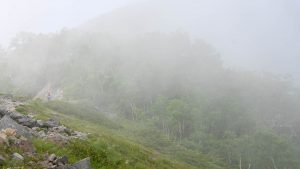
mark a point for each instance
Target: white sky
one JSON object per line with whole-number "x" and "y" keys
{"x": 256, "y": 34}
{"x": 50, "y": 15}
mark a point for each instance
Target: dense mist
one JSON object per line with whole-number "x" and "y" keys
{"x": 189, "y": 79}
{"x": 257, "y": 36}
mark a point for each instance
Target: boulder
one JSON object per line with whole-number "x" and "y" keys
{"x": 62, "y": 161}
{"x": 82, "y": 164}
{"x": 26, "y": 121}
{"x": 59, "y": 129}
{"x": 40, "y": 123}
{"x": 50, "y": 123}
{"x": 2, "y": 112}
{"x": 41, "y": 134}
{"x": 7, "y": 122}
{"x": 17, "y": 157}
{"x": 16, "y": 115}
{"x": 52, "y": 157}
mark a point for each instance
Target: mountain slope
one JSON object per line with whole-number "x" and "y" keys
{"x": 112, "y": 149}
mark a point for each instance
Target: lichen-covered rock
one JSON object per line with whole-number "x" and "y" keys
{"x": 9, "y": 132}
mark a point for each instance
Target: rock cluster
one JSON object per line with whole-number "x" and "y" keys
{"x": 16, "y": 131}
{"x": 10, "y": 138}
{"x": 27, "y": 126}
{"x": 7, "y": 122}
{"x": 55, "y": 162}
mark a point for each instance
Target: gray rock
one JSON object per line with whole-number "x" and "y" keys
{"x": 79, "y": 135}
{"x": 57, "y": 137}
{"x": 62, "y": 161}
{"x": 30, "y": 115}
{"x": 59, "y": 129}
{"x": 50, "y": 123}
{"x": 17, "y": 157}
{"x": 7, "y": 122}
{"x": 40, "y": 123}
{"x": 3, "y": 111}
{"x": 52, "y": 157}
{"x": 41, "y": 134}
{"x": 68, "y": 131}
{"x": 26, "y": 121}
{"x": 16, "y": 115}
{"x": 82, "y": 164}
{"x": 35, "y": 128}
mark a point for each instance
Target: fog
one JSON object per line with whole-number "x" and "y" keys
{"x": 211, "y": 84}
{"x": 254, "y": 35}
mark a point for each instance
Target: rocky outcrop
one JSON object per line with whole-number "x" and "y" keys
{"x": 10, "y": 138}
{"x": 49, "y": 129}
{"x": 17, "y": 130}
{"x": 56, "y": 162}
{"x": 7, "y": 122}
{"x": 8, "y": 104}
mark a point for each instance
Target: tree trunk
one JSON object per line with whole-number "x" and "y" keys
{"x": 249, "y": 166}
{"x": 132, "y": 111}
{"x": 240, "y": 161}
{"x": 273, "y": 162}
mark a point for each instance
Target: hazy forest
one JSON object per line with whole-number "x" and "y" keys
{"x": 150, "y": 98}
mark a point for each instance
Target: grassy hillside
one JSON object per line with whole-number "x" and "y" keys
{"x": 107, "y": 147}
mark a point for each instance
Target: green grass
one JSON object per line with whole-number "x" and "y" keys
{"x": 87, "y": 113}
{"x": 106, "y": 149}
{"x": 107, "y": 154}
{"x": 112, "y": 144}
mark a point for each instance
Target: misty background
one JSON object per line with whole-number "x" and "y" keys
{"x": 253, "y": 35}
{"x": 211, "y": 84}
